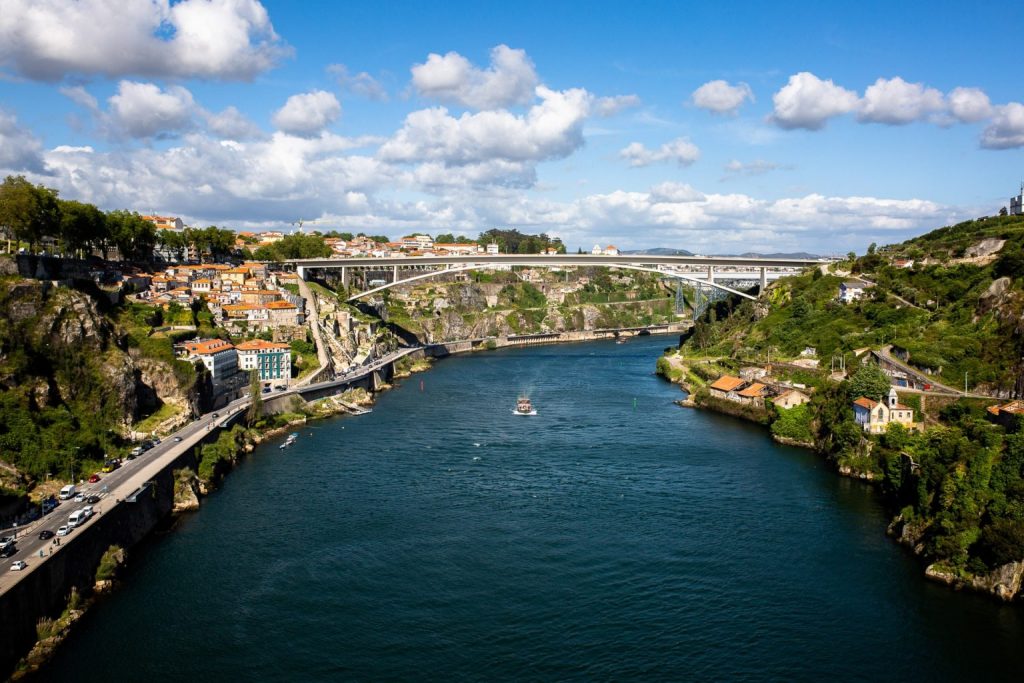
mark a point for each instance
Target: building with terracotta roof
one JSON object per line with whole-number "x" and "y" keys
{"x": 725, "y": 385}
{"x": 1009, "y": 415}
{"x": 165, "y": 222}
{"x": 218, "y": 356}
{"x": 876, "y": 416}
{"x": 273, "y": 361}
{"x": 791, "y": 399}
{"x": 753, "y": 394}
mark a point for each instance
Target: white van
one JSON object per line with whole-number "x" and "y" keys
{"x": 77, "y": 517}
{"x": 68, "y": 492}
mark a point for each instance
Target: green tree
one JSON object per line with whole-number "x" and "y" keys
{"x": 869, "y": 381}
{"x": 28, "y": 212}
{"x": 133, "y": 236}
{"x": 81, "y": 225}
{"x": 174, "y": 242}
{"x": 255, "y": 398}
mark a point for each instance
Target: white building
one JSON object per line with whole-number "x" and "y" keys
{"x": 1017, "y": 203}
{"x": 492, "y": 249}
{"x": 851, "y": 291}
{"x": 273, "y": 361}
{"x": 217, "y": 355}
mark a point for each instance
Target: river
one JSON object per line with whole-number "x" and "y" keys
{"x": 614, "y": 536}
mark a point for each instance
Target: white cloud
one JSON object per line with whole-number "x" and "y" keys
{"x": 81, "y": 97}
{"x": 680, "y": 150}
{"x": 896, "y": 102}
{"x": 510, "y": 79}
{"x": 1006, "y": 129}
{"x": 143, "y": 110}
{"x": 279, "y": 178}
{"x": 307, "y": 114}
{"x": 756, "y": 167}
{"x": 969, "y": 105}
{"x": 232, "y": 124}
{"x": 808, "y": 102}
{"x": 551, "y": 129}
{"x": 720, "y": 97}
{"x": 20, "y": 150}
{"x": 678, "y": 193}
{"x": 362, "y": 83}
{"x": 218, "y": 39}
{"x": 610, "y": 106}
{"x": 722, "y": 223}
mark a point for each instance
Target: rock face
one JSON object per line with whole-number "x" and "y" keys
{"x": 984, "y": 248}
{"x": 186, "y": 491}
{"x": 1004, "y": 582}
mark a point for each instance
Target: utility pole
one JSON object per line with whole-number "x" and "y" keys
{"x": 965, "y": 384}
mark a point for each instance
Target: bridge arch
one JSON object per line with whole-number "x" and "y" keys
{"x": 542, "y": 264}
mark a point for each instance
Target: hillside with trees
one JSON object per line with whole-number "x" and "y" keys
{"x": 952, "y": 303}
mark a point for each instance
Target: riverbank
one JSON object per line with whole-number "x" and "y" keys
{"x": 1004, "y": 582}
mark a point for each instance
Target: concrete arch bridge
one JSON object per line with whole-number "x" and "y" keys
{"x": 710, "y": 271}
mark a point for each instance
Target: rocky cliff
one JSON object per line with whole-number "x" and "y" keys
{"x": 70, "y": 382}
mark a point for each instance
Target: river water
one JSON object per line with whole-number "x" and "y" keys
{"x": 614, "y": 536}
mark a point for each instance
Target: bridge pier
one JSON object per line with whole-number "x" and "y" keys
{"x": 395, "y": 275}
{"x": 764, "y": 280}
{"x": 711, "y": 274}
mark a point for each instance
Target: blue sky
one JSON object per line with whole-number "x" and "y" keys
{"x": 712, "y": 127}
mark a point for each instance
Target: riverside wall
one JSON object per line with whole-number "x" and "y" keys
{"x": 43, "y": 591}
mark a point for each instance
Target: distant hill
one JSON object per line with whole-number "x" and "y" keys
{"x": 798, "y": 254}
{"x": 665, "y": 251}
{"x": 660, "y": 251}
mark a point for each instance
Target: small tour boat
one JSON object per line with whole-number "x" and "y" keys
{"x": 292, "y": 438}
{"x": 524, "y": 407}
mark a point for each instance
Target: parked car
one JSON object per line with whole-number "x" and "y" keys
{"x": 45, "y": 535}
{"x": 18, "y": 565}
{"x": 64, "y": 531}
{"x": 137, "y": 451}
{"x": 111, "y": 465}
{"x": 94, "y": 478}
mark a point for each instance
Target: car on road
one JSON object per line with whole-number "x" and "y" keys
{"x": 64, "y": 530}
{"x": 92, "y": 500}
{"x": 267, "y": 390}
{"x": 94, "y": 478}
{"x": 136, "y": 452}
{"x": 216, "y": 415}
{"x": 45, "y": 535}
{"x": 80, "y": 498}
{"x": 177, "y": 439}
{"x": 111, "y": 465}
{"x": 8, "y": 546}
{"x": 18, "y": 565}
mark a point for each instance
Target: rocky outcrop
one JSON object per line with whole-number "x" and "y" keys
{"x": 186, "y": 491}
{"x": 1003, "y": 582}
{"x": 986, "y": 248}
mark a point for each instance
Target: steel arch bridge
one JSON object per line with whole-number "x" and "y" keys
{"x": 712, "y": 267}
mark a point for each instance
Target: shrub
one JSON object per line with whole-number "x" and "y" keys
{"x": 794, "y": 423}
